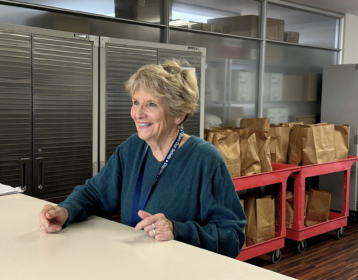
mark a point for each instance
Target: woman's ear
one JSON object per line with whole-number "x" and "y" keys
{"x": 180, "y": 119}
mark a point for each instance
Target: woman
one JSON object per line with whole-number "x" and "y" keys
{"x": 172, "y": 185}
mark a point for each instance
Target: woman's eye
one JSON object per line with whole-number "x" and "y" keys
{"x": 152, "y": 105}
{"x": 135, "y": 102}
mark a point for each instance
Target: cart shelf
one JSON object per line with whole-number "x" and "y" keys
{"x": 298, "y": 231}
{"x": 279, "y": 175}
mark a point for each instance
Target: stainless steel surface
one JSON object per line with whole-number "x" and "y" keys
{"x": 192, "y": 125}
{"x": 62, "y": 110}
{"x": 262, "y": 61}
{"x": 95, "y": 103}
{"x": 214, "y": 33}
{"x": 39, "y": 171}
{"x": 15, "y": 106}
{"x": 73, "y": 22}
{"x": 304, "y": 46}
{"x": 121, "y": 62}
{"x": 85, "y": 12}
{"x": 306, "y": 8}
{"x": 339, "y": 106}
{"x": 314, "y": 29}
{"x": 293, "y": 78}
{"x": 341, "y": 39}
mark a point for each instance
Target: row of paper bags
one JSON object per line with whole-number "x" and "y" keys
{"x": 261, "y": 217}
{"x": 316, "y": 209}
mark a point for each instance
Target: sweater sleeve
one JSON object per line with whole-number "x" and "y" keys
{"x": 100, "y": 195}
{"x": 221, "y": 228}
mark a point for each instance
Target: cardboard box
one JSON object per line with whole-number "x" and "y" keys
{"x": 275, "y": 29}
{"x": 273, "y": 86}
{"x": 148, "y": 11}
{"x": 248, "y": 26}
{"x": 239, "y": 25}
{"x": 243, "y": 86}
{"x": 292, "y": 37}
{"x": 310, "y": 92}
{"x": 212, "y": 27}
{"x": 292, "y": 88}
{"x": 277, "y": 115}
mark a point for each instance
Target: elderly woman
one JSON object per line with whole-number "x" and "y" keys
{"x": 172, "y": 185}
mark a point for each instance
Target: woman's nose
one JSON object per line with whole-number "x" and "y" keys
{"x": 140, "y": 112}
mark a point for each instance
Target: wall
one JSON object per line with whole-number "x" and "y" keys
{"x": 350, "y": 40}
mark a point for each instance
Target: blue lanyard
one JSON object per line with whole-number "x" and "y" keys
{"x": 135, "y": 219}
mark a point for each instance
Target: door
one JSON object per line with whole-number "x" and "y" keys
{"x": 15, "y": 109}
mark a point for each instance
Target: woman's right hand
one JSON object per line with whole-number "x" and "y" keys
{"x": 52, "y": 218}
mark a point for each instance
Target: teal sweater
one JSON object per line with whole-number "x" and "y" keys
{"x": 195, "y": 192}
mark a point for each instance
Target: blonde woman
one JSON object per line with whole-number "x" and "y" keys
{"x": 170, "y": 184}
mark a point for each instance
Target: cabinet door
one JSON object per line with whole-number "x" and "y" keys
{"x": 15, "y": 109}
{"x": 62, "y": 114}
{"x": 192, "y": 125}
{"x": 121, "y": 62}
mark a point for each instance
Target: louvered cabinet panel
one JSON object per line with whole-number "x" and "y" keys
{"x": 62, "y": 114}
{"x": 15, "y": 109}
{"x": 192, "y": 125}
{"x": 121, "y": 62}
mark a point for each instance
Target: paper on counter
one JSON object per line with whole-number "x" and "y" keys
{"x": 6, "y": 190}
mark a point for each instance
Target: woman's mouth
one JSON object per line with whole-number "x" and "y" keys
{"x": 144, "y": 125}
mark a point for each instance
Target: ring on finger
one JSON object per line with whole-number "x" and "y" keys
{"x": 155, "y": 233}
{"x": 40, "y": 227}
{"x": 153, "y": 225}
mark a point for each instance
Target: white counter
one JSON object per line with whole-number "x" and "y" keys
{"x": 102, "y": 249}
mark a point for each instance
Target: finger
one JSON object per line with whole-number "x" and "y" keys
{"x": 53, "y": 213}
{"x": 150, "y": 227}
{"x": 149, "y": 220}
{"x": 44, "y": 222}
{"x": 142, "y": 214}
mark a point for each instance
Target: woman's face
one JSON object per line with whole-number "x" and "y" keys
{"x": 153, "y": 121}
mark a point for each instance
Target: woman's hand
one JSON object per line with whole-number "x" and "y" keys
{"x": 52, "y": 218}
{"x": 163, "y": 228}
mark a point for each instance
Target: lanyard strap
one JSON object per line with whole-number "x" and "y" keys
{"x": 135, "y": 219}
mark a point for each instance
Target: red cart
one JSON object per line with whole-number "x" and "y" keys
{"x": 299, "y": 232}
{"x": 279, "y": 175}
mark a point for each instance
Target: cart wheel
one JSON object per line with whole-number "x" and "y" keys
{"x": 301, "y": 246}
{"x": 276, "y": 256}
{"x": 340, "y": 233}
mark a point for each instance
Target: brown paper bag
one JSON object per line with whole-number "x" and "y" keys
{"x": 295, "y": 146}
{"x": 229, "y": 147}
{"x": 263, "y": 150}
{"x": 206, "y": 134}
{"x": 250, "y": 161}
{"x": 243, "y": 207}
{"x": 280, "y": 136}
{"x": 341, "y": 141}
{"x": 318, "y": 144}
{"x": 291, "y": 124}
{"x": 318, "y": 207}
{"x": 260, "y": 214}
{"x": 262, "y": 124}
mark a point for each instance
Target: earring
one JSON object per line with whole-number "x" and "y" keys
{"x": 179, "y": 121}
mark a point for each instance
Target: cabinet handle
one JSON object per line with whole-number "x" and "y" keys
{"x": 24, "y": 165}
{"x": 40, "y": 172}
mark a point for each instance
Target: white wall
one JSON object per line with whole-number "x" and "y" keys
{"x": 350, "y": 40}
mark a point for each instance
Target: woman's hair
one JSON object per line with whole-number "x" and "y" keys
{"x": 176, "y": 86}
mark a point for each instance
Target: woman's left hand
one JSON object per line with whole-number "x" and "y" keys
{"x": 163, "y": 228}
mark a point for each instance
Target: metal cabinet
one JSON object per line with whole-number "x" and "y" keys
{"x": 48, "y": 109}
{"x": 339, "y": 106}
{"x": 119, "y": 59}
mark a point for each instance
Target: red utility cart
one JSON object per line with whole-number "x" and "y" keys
{"x": 279, "y": 175}
{"x": 337, "y": 221}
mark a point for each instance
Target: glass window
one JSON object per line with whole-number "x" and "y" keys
{"x": 230, "y": 76}
{"x": 141, "y": 10}
{"x": 293, "y": 82}
{"x": 240, "y": 17}
{"x": 303, "y": 27}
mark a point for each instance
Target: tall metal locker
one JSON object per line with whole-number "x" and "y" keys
{"x": 339, "y": 106}
{"x": 119, "y": 59}
{"x": 49, "y": 125}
